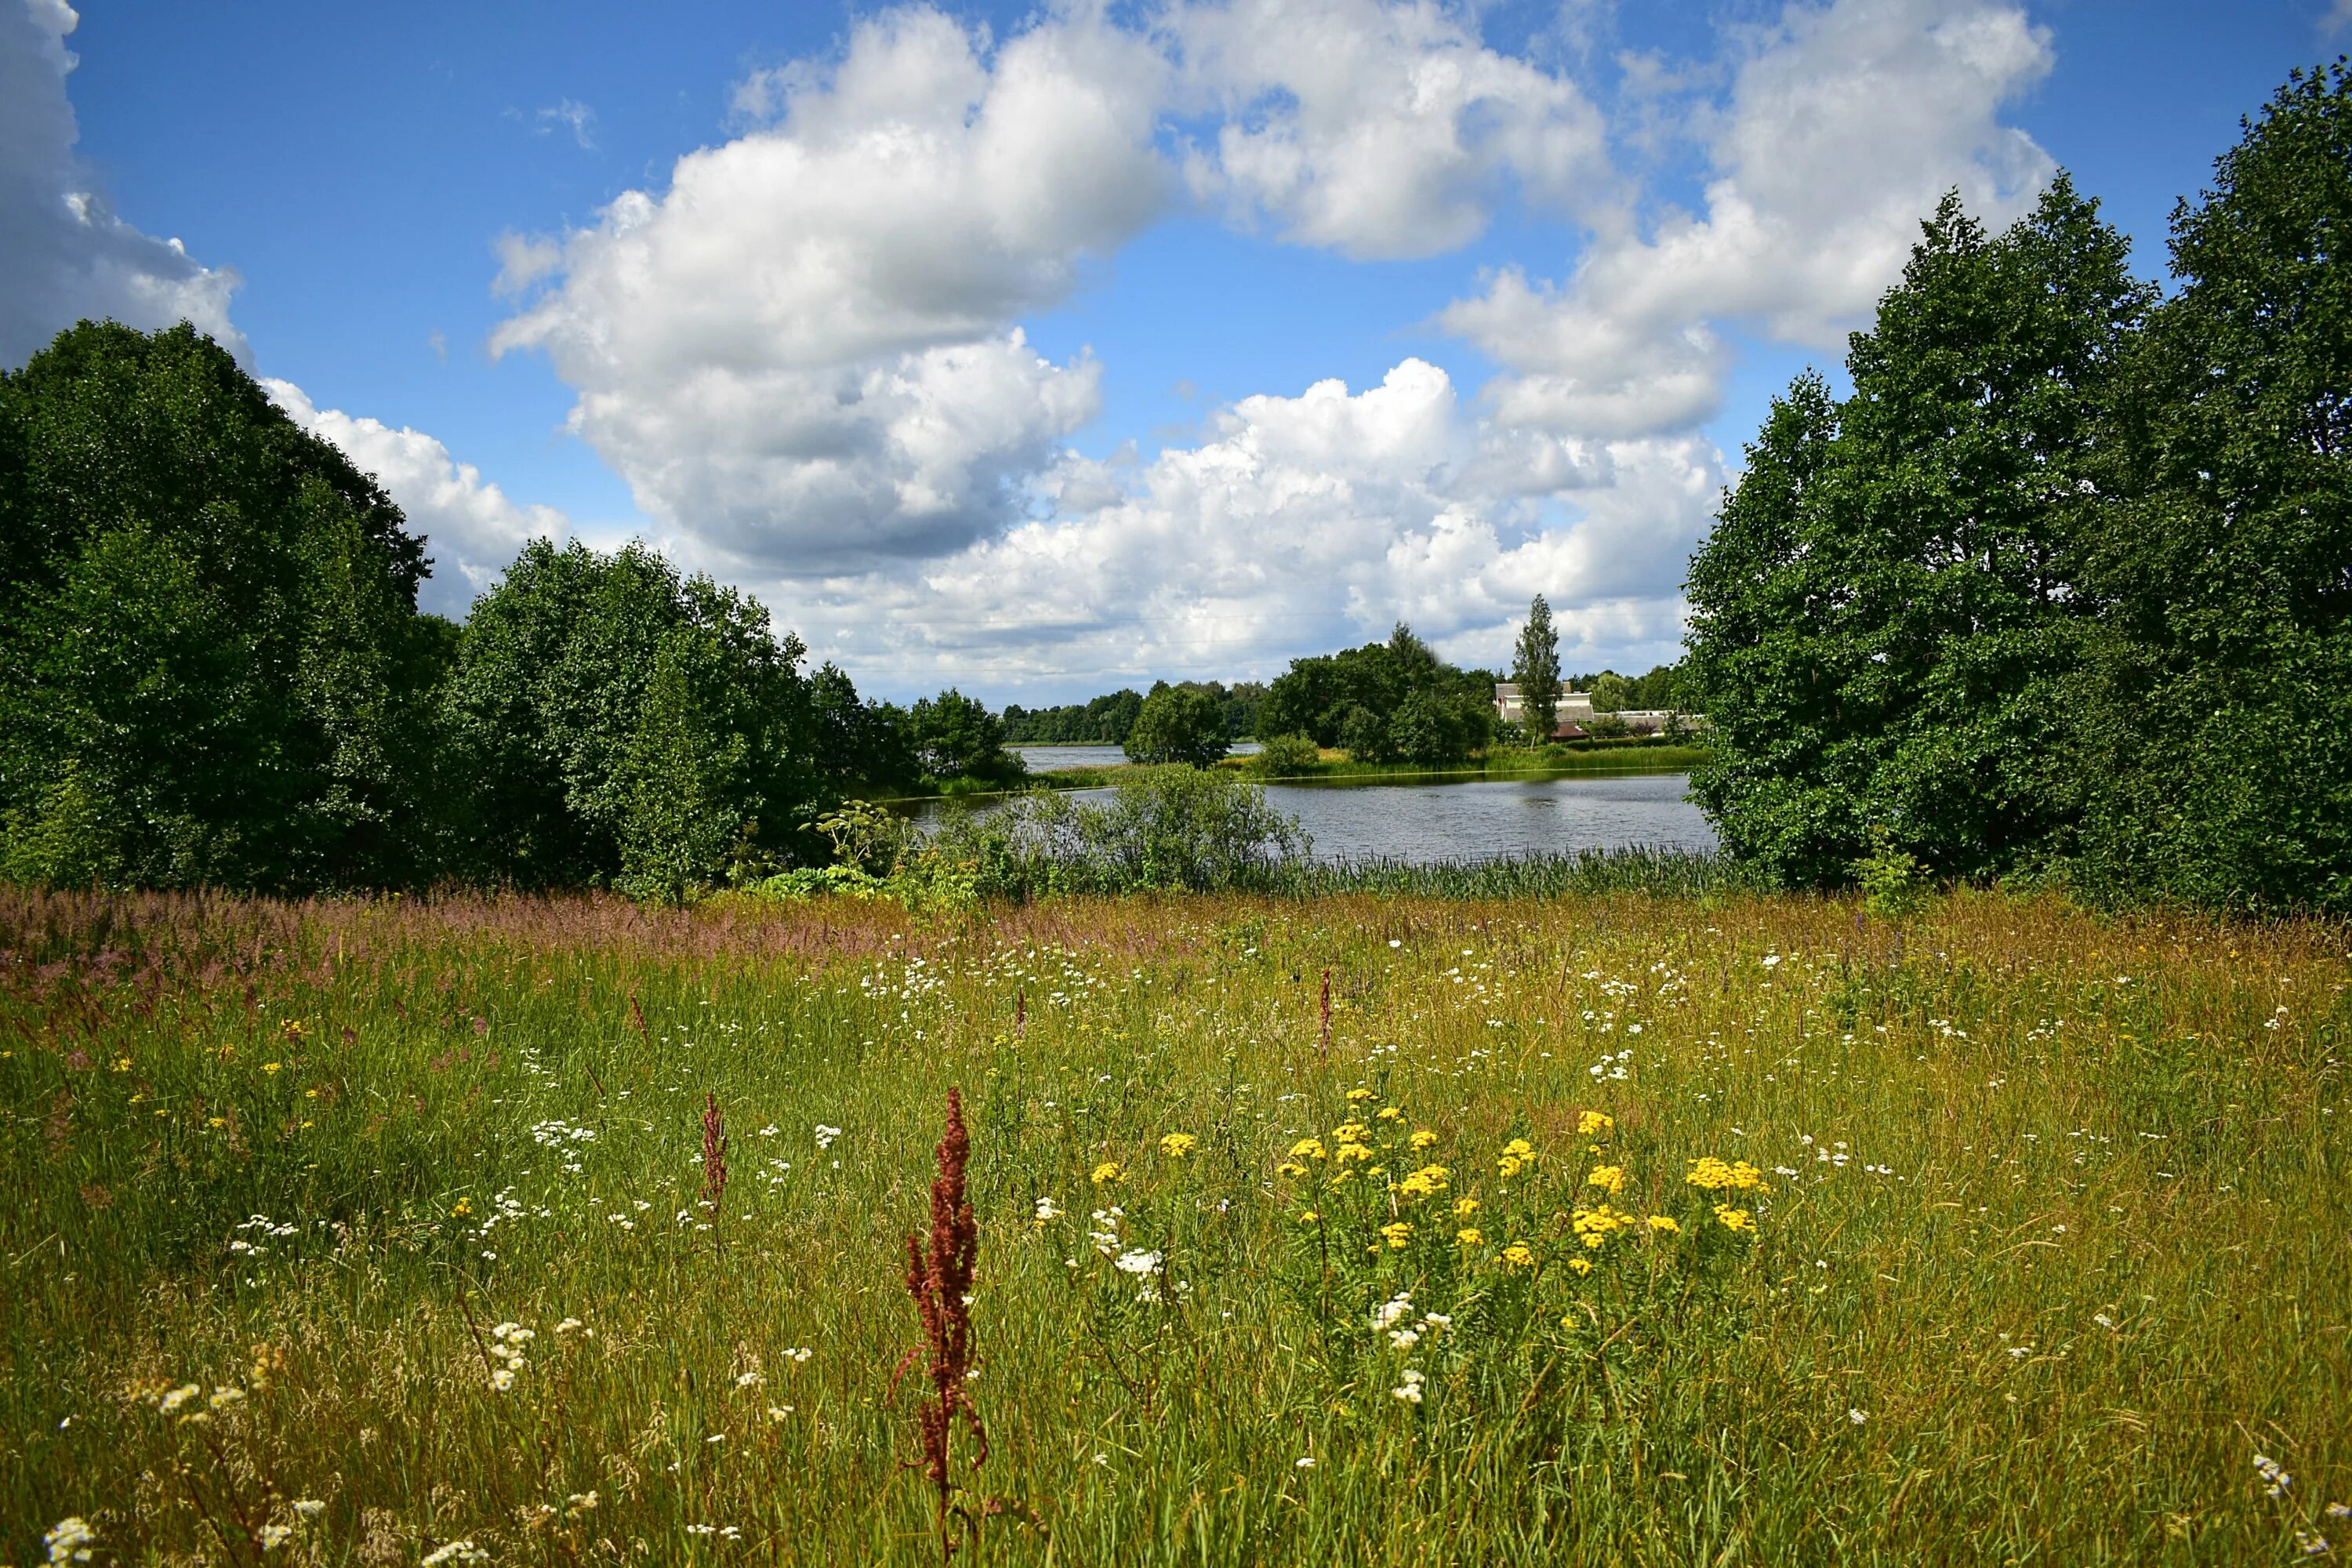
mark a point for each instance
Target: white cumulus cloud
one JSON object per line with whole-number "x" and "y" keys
{"x": 471, "y": 529}
{"x": 1378, "y": 129}
{"x": 63, "y": 256}
{"x": 802, "y": 351}
{"x": 1844, "y": 124}
{"x": 1301, "y": 522}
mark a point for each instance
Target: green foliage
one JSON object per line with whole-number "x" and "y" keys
{"x": 1286, "y": 756}
{"x": 1893, "y": 883}
{"x": 2216, "y": 738}
{"x": 1364, "y": 737}
{"x": 217, "y": 674}
{"x": 1104, "y": 722}
{"x": 2061, "y": 591}
{"x": 1352, "y": 700}
{"x": 1611, "y": 692}
{"x": 1171, "y": 827}
{"x": 1535, "y": 667}
{"x": 1886, "y": 619}
{"x": 860, "y": 743}
{"x": 1179, "y": 724}
{"x": 627, "y": 727}
{"x": 956, "y": 737}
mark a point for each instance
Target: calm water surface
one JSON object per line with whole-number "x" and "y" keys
{"x": 1482, "y": 818}
{"x": 1475, "y": 819}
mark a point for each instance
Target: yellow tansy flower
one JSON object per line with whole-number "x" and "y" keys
{"x": 1176, "y": 1146}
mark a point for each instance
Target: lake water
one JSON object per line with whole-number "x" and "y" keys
{"x": 1480, "y": 819}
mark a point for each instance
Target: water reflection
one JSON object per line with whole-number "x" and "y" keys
{"x": 1481, "y": 819}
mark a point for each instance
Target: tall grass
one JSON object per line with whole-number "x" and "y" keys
{"x": 2052, "y": 1244}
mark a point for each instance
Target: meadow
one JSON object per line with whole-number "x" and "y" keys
{"x": 1606, "y": 1226}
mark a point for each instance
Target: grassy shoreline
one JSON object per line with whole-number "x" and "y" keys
{"x": 1587, "y": 760}
{"x": 2044, "y": 1241}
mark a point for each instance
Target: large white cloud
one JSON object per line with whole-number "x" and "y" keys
{"x": 64, "y": 255}
{"x": 1299, "y": 523}
{"x": 1378, "y": 129}
{"x": 471, "y": 529}
{"x": 1844, "y": 124}
{"x": 802, "y": 351}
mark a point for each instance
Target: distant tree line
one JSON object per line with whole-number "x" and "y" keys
{"x": 1107, "y": 719}
{"x": 2062, "y": 589}
{"x": 217, "y": 674}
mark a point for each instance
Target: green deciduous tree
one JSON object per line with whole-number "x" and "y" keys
{"x": 2216, "y": 736}
{"x": 619, "y": 723}
{"x": 1535, "y": 667}
{"x": 216, "y": 669}
{"x": 1179, "y": 724}
{"x": 1885, "y": 623}
{"x": 956, "y": 737}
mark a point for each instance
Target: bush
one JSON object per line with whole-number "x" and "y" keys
{"x": 1165, "y": 827}
{"x": 1286, "y": 756}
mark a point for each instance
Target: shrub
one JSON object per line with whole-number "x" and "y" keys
{"x": 1164, "y": 827}
{"x": 1286, "y": 756}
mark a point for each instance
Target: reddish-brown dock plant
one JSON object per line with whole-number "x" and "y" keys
{"x": 939, "y": 1279}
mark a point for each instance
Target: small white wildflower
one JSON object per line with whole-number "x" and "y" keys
{"x": 502, "y": 1378}
{"x": 273, "y": 1536}
{"x": 750, "y": 1380}
{"x": 566, "y": 1326}
{"x": 778, "y": 1412}
{"x": 1857, "y": 1416}
{"x": 178, "y": 1396}
{"x": 1404, "y": 1339}
{"x": 227, "y": 1399}
{"x": 800, "y": 1355}
{"x": 1305, "y": 1461}
{"x": 454, "y": 1551}
{"x": 1410, "y": 1389}
{"x": 1136, "y": 1260}
{"x": 70, "y": 1538}
{"x": 1047, "y": 1210}
{"x": 826, "y": 1136}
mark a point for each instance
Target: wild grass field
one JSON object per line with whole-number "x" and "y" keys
{"x": 1607, "y": 1228}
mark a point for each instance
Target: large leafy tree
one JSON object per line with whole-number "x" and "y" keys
{"x": 1886, "y": 623}
{"x": 622, "y": 725}
{"x": 1179, "y": 724}
{"x": 217, "y": 672}
{"x": 956, "y": 737}
{"x": 2218, "y": 727}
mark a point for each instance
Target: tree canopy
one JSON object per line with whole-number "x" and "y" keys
{"x": 2061, "y": 589}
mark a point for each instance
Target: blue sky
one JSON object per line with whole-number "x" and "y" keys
{"x": 1557, "y": 299}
